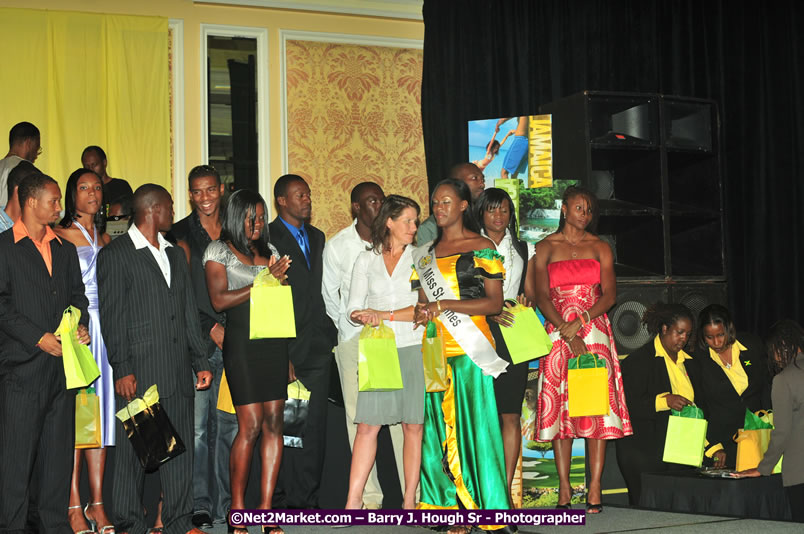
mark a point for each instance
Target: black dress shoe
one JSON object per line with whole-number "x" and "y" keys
{"x": 202, "y": 520}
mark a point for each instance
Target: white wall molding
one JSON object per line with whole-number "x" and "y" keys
{"x": 396, "y": 9}
{"x": 263, "y": 130}
{"x": 177, "y": 83}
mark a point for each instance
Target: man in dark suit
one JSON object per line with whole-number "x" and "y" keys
{"x": 150, "y": 323}
{"x": 39, "y": 278}
{"x": 311, "y": 350}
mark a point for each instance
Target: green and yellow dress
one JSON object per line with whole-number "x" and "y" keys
{"x": 462, "y": 451}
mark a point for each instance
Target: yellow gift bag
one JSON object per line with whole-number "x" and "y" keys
{"x": 588, "y": 386}
{"x": 686, "y": 437}
{"x": 271, "y": 308}
{"x": 87, "y": 420}
{"x": 225, "y": 396}
{"x": 753, "y": 440}
{"x": 378, "y": 360}
{"x": 434, "y": 359}
{"x": 80, "y": 368}
{"x": 527, "y": 338}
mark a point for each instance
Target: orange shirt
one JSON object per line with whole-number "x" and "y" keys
{"x": 21, "y": 231}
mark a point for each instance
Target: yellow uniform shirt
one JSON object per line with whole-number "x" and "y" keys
{"x": 679, "y": 379}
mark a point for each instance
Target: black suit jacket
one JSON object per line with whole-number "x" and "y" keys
{"x": 151, "y": 330}
{"x": 644, "y": 377}
{"x": 723, "y": 408}
{"x": 315, "y": 332}
{"x": 31, "y": 300}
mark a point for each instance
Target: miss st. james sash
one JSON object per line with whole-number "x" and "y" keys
{"x": 460, "y": 326}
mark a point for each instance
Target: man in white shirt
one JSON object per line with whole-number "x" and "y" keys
{"x": 340, "y": 254}
{"x": 23, "y": 144}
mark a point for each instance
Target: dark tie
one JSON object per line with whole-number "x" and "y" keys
{"x": 301, "y": 237}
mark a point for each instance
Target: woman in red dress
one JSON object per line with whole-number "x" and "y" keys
{"x": 572, "y": 282}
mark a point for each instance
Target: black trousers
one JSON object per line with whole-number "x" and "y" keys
{"x": 175, "y": 475}
{"x": 795, "y": 495}
{"x": 37, "y": 439}
{"x": 301, "y": 469}
{"x": 636, "y": 456}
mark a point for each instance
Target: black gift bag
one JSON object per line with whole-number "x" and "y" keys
{"x": 295, "y": 416}
{"x": 150, "y": 432}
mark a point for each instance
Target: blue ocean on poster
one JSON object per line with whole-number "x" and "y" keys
{"x": 480, "y": 133}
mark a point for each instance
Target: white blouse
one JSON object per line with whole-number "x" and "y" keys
{"x": 372, "y": 287}
{"x": 512, "y": 262}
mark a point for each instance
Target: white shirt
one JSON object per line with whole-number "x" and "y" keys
{"x": 340, "y": 254}
{"x": 512, "y": 262}
{"x": 7, "y": 164}
{"x": 373, "y": 288}
{"x": 160, "y": 254}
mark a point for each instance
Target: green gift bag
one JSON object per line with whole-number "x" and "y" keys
{"x": 526, "y": 339}
{"x": 686, "y": 437}
{"x": 753, "y": 440}
{"x": 378, "y": 360}
{"x": 587, "y": 386}
{"x": 87, "y": 420}
{"x": 271, "y": 308}
{"x": 80, "y": 368}
{"x": 434, "y": 360}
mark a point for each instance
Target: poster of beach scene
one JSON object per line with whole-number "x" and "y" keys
{"x": 511, "y": 148}
{"x": 539, "y": 476}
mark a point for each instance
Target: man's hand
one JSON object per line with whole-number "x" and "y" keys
{"x": 204, "y": 380}
{"x": 83, "y": 335}
{"x": 216, "y": 334}
{"x": 50, "y": 344}
{"x": 126, "y": 387}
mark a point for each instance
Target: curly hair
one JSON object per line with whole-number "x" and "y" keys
{"x": 785, "y": 340}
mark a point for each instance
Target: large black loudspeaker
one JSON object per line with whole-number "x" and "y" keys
{"x": 653, "y": 162}
{"x": 634, "y": 298}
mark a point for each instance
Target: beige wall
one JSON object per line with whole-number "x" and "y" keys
{"x": 274, "y": 20}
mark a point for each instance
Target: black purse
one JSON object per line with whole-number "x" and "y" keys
{"x": 152, "y": 435}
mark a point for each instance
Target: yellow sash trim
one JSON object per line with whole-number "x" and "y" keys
{"x": 491, "y": 267}
{"x": 451, "y": 445}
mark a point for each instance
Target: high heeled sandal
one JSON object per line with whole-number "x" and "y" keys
{"x": 91, "y": 529}
{"x": 105, "y": 529}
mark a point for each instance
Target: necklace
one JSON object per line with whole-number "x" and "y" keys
{"x": 574, "y": 254}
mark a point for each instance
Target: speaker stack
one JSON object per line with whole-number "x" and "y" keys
{"x": 653, "y": 162}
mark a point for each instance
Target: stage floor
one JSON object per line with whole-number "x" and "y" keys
{"x": 613, "y": 519}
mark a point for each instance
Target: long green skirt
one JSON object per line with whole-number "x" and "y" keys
{"x": 462, "y": 437}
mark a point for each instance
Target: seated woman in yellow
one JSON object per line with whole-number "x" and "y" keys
{"x": 459, "y": 279}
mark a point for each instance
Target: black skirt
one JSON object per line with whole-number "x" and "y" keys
{"x": 256, "y": 369}
{"x": 509, "y": 387}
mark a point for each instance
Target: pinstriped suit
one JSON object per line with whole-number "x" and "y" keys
{"x": 311, "y": 354}
{"x": 36, "y": 410}
{"x": 152, "y": 331}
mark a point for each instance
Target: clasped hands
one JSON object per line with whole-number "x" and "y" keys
{"x": 51, "y": 343}
{"x": 568, "y": 331}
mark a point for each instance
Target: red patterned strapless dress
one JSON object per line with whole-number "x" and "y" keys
{"x": 575, "y": 287}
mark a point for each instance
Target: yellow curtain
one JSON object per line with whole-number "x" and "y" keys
{"x": 89, "y": 79}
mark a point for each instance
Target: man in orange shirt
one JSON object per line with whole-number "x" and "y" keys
{"x": 39, "y": 278}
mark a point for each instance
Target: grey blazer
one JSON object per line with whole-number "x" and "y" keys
{"x": 151, "y": 330}
{"x": 788, "y": 418}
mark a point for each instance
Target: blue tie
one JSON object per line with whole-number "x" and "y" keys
{"x": 301, "y": 237}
